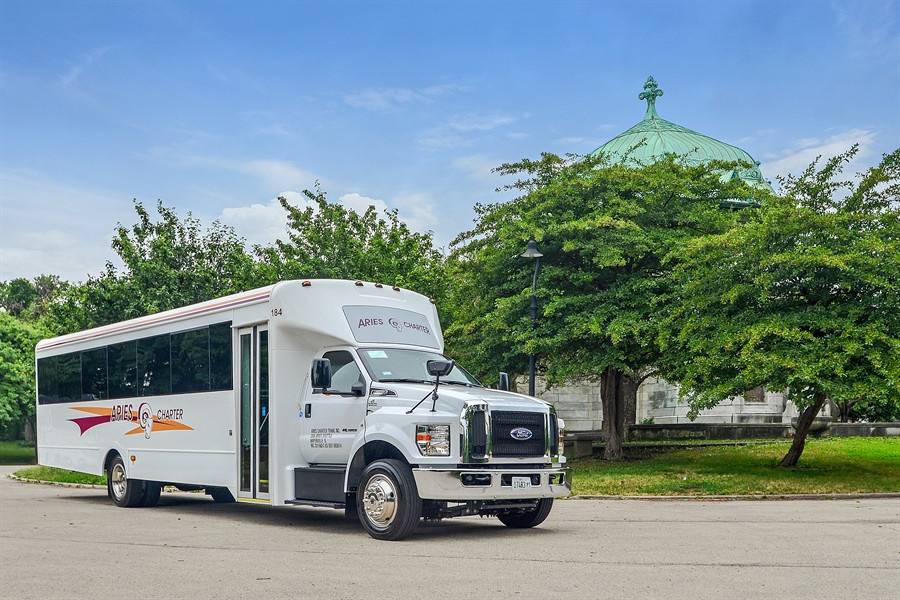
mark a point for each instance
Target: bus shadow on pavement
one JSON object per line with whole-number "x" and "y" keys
{"x": 323, "y": 520}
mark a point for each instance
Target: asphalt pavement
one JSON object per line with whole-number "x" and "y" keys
{"x": 60, "y": 542}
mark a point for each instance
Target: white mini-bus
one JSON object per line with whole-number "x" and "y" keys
{"x": 321, "y": 393}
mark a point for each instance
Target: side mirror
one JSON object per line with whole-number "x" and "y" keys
{"x": 321, "y": 373}
{"x": 504, "y": 382}
{"x": 439, "y": 368}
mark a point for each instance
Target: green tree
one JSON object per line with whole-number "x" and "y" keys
{"x": 16, "y": 295}
{"x": 803, "y": 297}
{"x": 166, "y": 263}
{"x": 29, "y": 299}
{"x": 604, "y": 231}
{"x": 17, "y": 342}
{"x": 330, "y": 241}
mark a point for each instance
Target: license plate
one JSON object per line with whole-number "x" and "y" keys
{"x": 521, "y": 483}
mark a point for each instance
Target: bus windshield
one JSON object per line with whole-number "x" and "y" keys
{"x": 409, "y": 366}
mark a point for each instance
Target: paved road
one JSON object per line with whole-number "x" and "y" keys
{"x": 72, "y": 543}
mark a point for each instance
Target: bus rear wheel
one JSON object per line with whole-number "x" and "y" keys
{"x": 123, "y": 491}
{"x": 387, "y": 500}
{"x": 523, "y": 519}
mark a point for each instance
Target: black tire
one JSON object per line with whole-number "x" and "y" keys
{"x": 523, "y": 519}
{"x": 388, "y": 486}
{"x": 152, "y": 491}
{"x": 123, "y": 491}
{"x": 220, "y": 495}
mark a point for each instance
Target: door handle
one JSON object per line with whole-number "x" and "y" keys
{"x": 308, "y": 410}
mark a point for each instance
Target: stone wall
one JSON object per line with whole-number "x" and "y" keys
{"x": 708, "y": 431}
{"x": 577, "y": 402}
{"x": 864, "y": 429}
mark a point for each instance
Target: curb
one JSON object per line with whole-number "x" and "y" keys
{"x": 851, "y": 496}
{"x": 87, "y": 486}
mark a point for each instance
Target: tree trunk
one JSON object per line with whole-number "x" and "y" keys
{"x": 615, "y": 390}
{"x": 803, "y": 424}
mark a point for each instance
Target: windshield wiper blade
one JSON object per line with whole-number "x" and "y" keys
{"x": 406, "y": 380}
{"x": 451, "y": 382}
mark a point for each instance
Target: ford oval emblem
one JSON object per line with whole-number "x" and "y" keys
{"x": 520, "y": 434}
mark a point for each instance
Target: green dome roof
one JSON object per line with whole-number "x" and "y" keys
{"x": 654, "y": 137}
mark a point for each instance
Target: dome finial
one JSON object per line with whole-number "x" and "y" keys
{"x": 651, "y": 92}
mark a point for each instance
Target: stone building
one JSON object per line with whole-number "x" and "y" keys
{"x": 578, "y": 402}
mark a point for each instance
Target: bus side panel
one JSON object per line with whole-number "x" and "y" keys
{"x": 61, "y": 445}
{"x": 191, "y": 440}
{"x": 185, "y": 438}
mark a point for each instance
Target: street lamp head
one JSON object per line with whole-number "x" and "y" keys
{"x": 531, "y": 251}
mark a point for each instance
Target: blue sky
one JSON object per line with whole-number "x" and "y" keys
{"x": 217, "y": 107}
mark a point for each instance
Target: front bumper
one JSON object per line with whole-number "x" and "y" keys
{"x": 446, "y": 484}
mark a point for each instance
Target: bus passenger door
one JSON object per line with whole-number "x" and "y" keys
{"x": 253, "y": 475}
{"x": 335, "y": 417}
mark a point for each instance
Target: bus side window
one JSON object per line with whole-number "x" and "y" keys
{"x": 344, "y": 372}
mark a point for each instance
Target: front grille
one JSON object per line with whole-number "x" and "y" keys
{"x": 478, "y": 434}
{"x": 503, "y": 443}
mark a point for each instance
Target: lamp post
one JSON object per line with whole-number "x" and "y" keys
{"x": 531, "y": 251}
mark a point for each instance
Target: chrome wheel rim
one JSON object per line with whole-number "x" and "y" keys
{"x": 119, "y": 482}
{"x": 380, "y": 501}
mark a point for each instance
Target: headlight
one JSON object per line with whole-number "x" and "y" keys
{"x": 433, "y": 440}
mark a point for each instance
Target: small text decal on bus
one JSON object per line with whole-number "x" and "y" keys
{"x": 383, "y": 324}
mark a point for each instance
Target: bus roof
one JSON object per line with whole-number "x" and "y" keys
{"x": 193, "y": 310}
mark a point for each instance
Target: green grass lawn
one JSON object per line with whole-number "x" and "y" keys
{"x": 16, "y": 453}
{"x": 59, "y": 475}
{"x": 828, "y": 465}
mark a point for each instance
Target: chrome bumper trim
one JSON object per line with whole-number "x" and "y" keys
{"x": 445, "y": 484}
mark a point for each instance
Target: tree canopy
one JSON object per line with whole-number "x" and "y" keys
{"x": 604, "y": 230}
{"x": 328, "y": 240}
{"x": 804, "y": 296}
{"x": 17, "y": 342}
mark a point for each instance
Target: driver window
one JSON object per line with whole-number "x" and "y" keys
{"x": 344, "y": 372}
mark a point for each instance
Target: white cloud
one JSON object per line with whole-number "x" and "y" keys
{"x": 481, "y": 122}
{"x": 452, "y": 133}
{"x": 49, "y": 226}
{"x": 477, "y": 166}
{"x": 257, "y": 223}
{"x": 389, "y": 98}
{"x": 275, "y": 174}
{"x": 272, "y": 174}
{"x": 70, "y": 78}
{"x": 417, "y": 211}
{"x": 263, "y": 223}
{"x": 803, "y": 151}
{"x": 360, "y": 203}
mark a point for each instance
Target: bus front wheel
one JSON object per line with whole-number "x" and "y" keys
{"x": 123, "y": 491}
{"x": 387, "y": 500}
